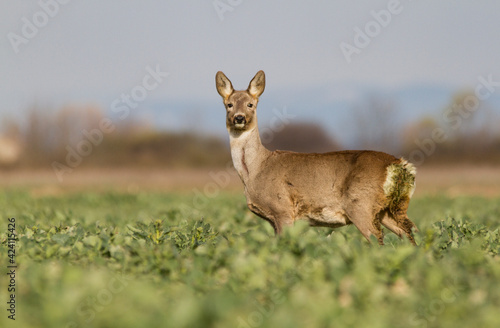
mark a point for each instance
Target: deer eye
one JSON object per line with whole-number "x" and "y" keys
{"x": 250, "y": 105}
{"x": 229, "y": 105}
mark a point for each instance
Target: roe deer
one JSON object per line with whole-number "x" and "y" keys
{"x": 365, "y": 188}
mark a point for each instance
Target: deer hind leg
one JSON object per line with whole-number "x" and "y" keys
{"x": 402, "y": 221}
{"x": 398, "y": 189}
{"x": 388, "y": 221}
{"x": 399, "y": 223}
{"x": 406, "y": 225}
{"x": 367, "y": 223}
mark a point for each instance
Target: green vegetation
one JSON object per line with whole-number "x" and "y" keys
{"x": 154, "y": 260}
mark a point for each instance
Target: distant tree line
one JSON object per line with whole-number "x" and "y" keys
{"x": 456, "y": 134}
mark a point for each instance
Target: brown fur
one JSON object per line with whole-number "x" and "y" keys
{"x": 331, "y": 189}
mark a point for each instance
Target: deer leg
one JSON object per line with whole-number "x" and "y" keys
{"x": 400, "y": 218}
{"x": 277, "y": 219}
{"x": 282, "y": 221}
{"x": 405, "y": 224}
{"x": 390, "y": 223}
{"x": 367, "y": 224}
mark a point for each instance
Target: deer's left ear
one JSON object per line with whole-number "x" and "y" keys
{"x": 224, "y": 86}
{"x": 257, "y": 85}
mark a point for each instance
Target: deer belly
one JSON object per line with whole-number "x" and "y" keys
{"x": 327, "y": 217}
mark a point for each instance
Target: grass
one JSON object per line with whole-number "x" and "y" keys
{"x": 168, "y": 260}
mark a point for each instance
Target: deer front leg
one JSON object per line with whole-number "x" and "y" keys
{"x": 280, "y": 222}
{"x": 277, "y": 219}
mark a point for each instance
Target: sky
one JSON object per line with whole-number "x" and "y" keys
{"x": 56, "y": 52}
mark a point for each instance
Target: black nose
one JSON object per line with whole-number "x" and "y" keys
{"x": 238, "y": 119}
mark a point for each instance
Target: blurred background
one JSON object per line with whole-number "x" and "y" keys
{"x": 121, "y": 94}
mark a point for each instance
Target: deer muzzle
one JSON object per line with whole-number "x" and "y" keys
{"x": 239, "y": 121}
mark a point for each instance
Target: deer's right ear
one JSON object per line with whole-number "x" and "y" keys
{"x": 224, "y": 86}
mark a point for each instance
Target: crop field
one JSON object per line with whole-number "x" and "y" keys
{"x": 160, "y": 259}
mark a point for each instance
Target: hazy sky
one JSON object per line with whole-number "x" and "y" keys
{"x": 92, "y": 51}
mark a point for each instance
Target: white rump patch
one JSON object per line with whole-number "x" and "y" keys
{"x": 393, "y": 170}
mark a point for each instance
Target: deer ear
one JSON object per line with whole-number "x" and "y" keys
{"x": 257, "y": 85}
{"x": 224, "y": 86}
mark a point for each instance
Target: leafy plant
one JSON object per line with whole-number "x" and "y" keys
{"x": 152, "y": 259}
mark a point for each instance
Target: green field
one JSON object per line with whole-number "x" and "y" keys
{"x": 168, "y": 260}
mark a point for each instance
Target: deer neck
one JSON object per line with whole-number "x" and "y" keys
{"x": 247, "y": 152}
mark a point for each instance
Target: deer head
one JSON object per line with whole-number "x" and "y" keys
{"x": 241, "y": 105}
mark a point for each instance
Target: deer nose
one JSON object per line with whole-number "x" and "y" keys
{"x": 238, "y": 119}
